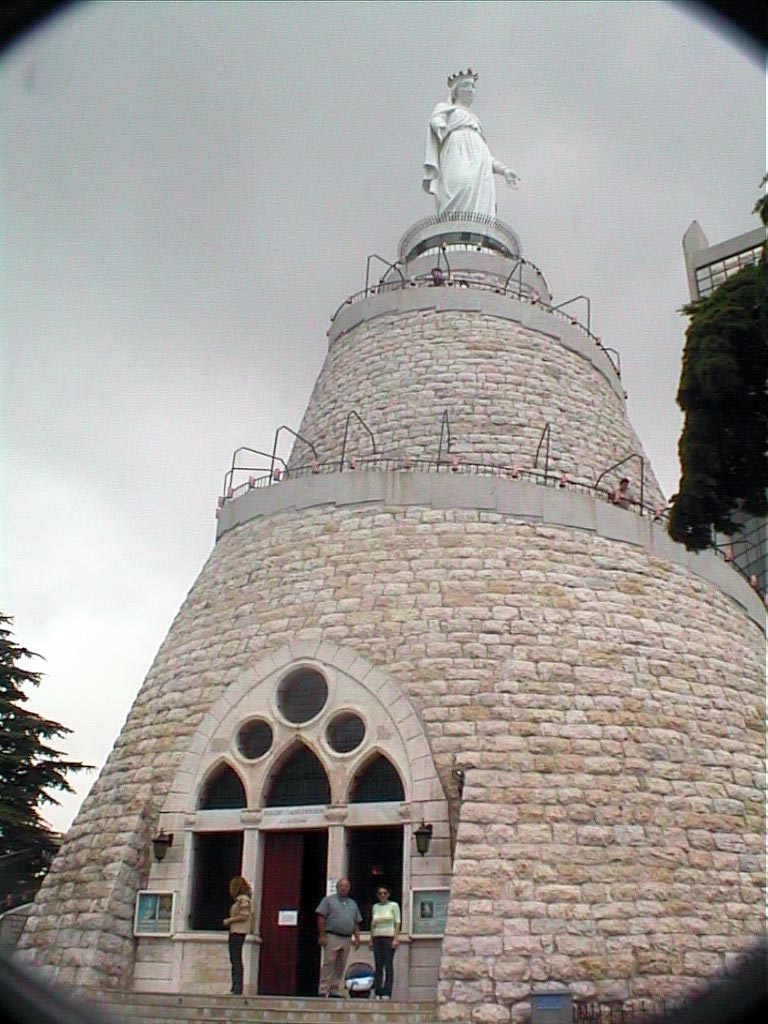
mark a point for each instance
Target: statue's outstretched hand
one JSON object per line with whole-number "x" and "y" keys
{"x": 511, "y": 178}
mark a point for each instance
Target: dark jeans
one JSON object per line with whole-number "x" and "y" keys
{"x": 383, "y": 954}
{"x": 236, "y": 959}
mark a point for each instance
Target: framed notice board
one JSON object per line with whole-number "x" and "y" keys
{"x": 154, "y": 912}
{"x": 429, "y": 911}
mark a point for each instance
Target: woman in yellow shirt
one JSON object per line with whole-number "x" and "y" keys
{"x": 385, "y": 926}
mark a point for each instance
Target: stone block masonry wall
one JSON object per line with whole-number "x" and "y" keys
{"x": 500, "y": 382}
{"x": 607, "y": 706}
{"x": 634, "y": 871}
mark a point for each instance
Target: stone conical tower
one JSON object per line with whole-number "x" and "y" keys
{"x": 435, "y": 615}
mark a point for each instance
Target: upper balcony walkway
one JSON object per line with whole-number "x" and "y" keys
{"x": 476, "y": 263}
{"x": 532, "y": 494}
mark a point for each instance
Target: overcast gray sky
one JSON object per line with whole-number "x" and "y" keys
{"x": 190, "y": 189}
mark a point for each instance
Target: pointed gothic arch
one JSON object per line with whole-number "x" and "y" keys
{"x": 376, "y": 781}
{"x": 298, "y": 780}
{"x": 251, "y": 694}
{"x": 222, "y": 788}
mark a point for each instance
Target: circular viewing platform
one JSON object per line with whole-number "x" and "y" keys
{"x": 488, "y": 234}
{"x": 531, "y": 494}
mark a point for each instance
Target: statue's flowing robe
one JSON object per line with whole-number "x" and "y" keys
{"x": 458, "y": 166}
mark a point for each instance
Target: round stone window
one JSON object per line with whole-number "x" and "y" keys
{"x": 302, "y": 695}
{"x": 345, "y": 732}
{"x": 254, "y": 738}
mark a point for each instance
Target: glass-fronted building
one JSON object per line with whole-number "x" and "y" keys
{"x": 707, "y": 267}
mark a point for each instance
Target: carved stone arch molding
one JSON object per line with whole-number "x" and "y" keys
{"x": 221, "y": 764}
{"x": 278, "y": 761}
{"x": 393, "y": 727}
{"x": 362, "y": 764}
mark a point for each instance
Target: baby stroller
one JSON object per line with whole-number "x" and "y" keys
{"x": 359, "y": 981}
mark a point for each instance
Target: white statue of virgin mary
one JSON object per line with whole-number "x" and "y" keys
{"x": 458, "y": 166}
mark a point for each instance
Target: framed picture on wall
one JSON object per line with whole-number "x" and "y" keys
{"x": 154, "y": 913}
{"x": 429, "y": 911}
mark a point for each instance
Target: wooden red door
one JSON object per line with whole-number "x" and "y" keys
{"x": 280, "y": 898}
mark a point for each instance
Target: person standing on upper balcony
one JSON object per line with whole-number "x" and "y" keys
{"x": 458, "y": 165}
{"x": 620, "y": 495}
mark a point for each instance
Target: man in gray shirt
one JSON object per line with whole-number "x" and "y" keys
{"x": 338, "y": 927}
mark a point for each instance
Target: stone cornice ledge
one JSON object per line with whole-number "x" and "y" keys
{"x": 518, "y": 499}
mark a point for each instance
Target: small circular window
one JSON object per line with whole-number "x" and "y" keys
{"x": 254, "y": 738}
{"x": 345, "y": 732}
{"x": 302, "y": 695}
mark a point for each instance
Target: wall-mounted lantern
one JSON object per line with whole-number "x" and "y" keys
{"x": 423, "y": 837}
{"x": 160, "y": 844}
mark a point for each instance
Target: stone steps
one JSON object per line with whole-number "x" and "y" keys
{"x": 171, "y": 1008}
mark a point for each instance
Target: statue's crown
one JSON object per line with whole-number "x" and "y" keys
{"x": 460, "y": 75}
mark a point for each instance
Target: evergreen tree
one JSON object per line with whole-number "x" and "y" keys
{"x": 30, "y": 769}
{"x": 724, "y": 395}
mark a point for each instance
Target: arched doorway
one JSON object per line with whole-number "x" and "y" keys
{"x": 324, "y": 754}
{"x": 375, "y": 851}
{"x": 218, "y": 855}
{"x": 294, "y": 879}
